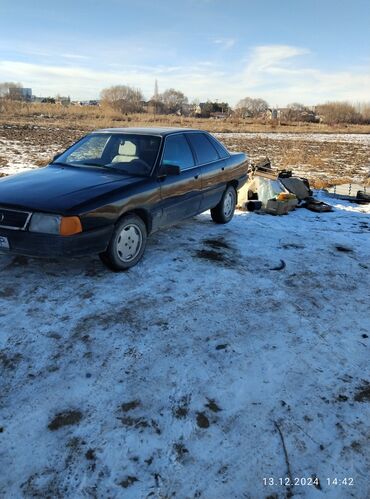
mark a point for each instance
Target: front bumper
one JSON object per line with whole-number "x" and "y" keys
{"x": 49, "y": 245}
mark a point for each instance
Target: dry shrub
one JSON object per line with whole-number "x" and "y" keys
{"x": 320, "y": 183}
{"x": 92, "y": 117}
{"x": 339, "y": 112}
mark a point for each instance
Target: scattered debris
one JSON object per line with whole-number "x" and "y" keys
{"x": 277, "y": 192}
{"x": 363, "y": 395}
{"x": 313, "y": 204}
{"x": 128, "y": 481}
{"x": 180, "y": 450}
{"x": 212, "y": 405}
{"x": 216, "y": 243}
{"x": 289, "y": 473}
{"x": 297, "y": 185}
{"x": 182, "y": 408}
{"x": 66, "y": 418}
{"x": 344, "y": 249}
{"x": 281, "y": 266}
{"x": 342, "y": 398}
{"x": 129, "y": 406}
{"x": 90, "y": 455}
{"x": 253, "y": 205}
{"x": 202, "y": 420}
{"x": 221, "y": 346}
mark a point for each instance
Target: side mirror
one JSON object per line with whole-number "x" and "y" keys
{"x": 169, "y": 170}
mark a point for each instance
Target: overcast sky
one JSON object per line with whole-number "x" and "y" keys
{"x": 308, "y": 51}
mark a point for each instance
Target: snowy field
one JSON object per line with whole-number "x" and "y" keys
{"x": 17, "y": 156}
{"x": 348, "y": 138}
{"x": 317, "y": 156}
{"x": 202, "y": 372}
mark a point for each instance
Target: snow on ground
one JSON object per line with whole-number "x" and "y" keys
{"x": 17, "y": 156}
{"x": 177, "y": 377}
{"x": 351, "y": 138}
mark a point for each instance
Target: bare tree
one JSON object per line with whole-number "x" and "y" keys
{"x": 365, "y": 112}
{"x": 251, "y": 108}
{"x": 6, "y": 86}
{"x": 122, "y": 98}
{"x": 297, "y": 112}
{"x": 173, "y": 100}
{"x": 338, "y": 112}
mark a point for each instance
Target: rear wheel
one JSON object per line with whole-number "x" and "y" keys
{"x": 224, "y": 211}
{"x": 127, "y": 244}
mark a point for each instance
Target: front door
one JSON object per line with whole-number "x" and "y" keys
{"x": 180, "y": 194}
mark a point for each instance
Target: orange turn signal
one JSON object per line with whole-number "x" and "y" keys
{"x": 70, "y": 226}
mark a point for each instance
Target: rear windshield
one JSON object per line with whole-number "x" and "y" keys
{"x": 133, "y": 154}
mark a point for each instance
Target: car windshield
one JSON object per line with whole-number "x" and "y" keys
{"x": 133, "y": 154}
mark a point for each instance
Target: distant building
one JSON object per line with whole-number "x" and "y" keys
{"x": 20, "y": 93}
{"x": 273, "y": 114}
{"x": 216, "y": 110}
{"x": 219, "y": 115}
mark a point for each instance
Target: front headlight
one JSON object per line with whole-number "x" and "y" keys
{"x": 55, "y": 224}
{"x": 48, "y": 224}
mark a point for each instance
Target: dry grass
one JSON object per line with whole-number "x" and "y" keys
{"x": 317, "y": 183}
{"x": 50, "y": 128}
{"x": 323, "y": 163}
{"x": 92, "y": 117}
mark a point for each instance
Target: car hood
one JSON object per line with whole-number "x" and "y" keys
{"x": 57, "y": 189}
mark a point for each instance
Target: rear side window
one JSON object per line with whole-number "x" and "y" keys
{"x": 177, "y": 152}
{"x": 205, "y": 151}
{"x": 222, "y": 152}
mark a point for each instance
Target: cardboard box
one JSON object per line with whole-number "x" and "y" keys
{"x": 275, "y": 207}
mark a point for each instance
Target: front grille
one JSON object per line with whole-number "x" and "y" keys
{"x": 14, "y": 219}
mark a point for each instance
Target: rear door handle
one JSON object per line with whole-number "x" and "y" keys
{"x": 196, "y": 177}
{"x": 223, "y": 168}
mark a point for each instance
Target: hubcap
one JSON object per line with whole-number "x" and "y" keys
{"x": 129, "y": 242}
{"x": 228, "y": 204}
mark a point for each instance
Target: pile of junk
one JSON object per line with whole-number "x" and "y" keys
{"x": 277, "y": 192}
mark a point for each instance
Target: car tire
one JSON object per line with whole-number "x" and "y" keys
{"x": 224, "y": 211}
{"x": 127, "y": 244}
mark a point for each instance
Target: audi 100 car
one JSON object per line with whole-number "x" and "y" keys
{"x": 114, "y": 187}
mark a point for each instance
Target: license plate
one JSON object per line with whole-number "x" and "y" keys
{"x": 4, "y": 243}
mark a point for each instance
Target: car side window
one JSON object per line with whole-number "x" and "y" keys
{"x": 177, "y": 152}
{"x": 205, "y": 151}
{"x": 222, "y": 152}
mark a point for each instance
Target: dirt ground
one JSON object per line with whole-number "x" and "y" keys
{"x": 326, "y": 159}
{"x": 229, "y": 352}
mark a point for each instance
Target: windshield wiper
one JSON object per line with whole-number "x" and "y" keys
{"x": 117, "y": 168}
{"x": 91, "y": 164}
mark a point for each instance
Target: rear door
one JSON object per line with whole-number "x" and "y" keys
{"x": 180, "y": 194}
{"x": 212, "y": 168}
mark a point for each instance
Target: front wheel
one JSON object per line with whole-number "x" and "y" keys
{"x": 127, "y": 244}
{"x": 224, "y": 211}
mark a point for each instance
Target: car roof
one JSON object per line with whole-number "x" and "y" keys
{"x": 147, "y": 131}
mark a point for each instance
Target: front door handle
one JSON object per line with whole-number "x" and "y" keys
{"x": 196, "y": 177}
